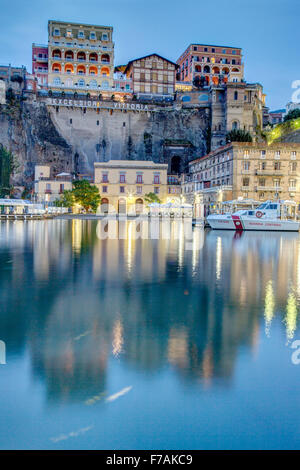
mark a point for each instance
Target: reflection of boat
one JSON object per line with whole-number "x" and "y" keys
{"x": 271, "y": 215}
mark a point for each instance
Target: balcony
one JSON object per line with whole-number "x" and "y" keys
{"x": 246, "y": 172}
{"x": 269, "y": 172}
{"x": 292, "y": 189}
{"x": 48, "y": 191}
{"x": 269, "y": 188}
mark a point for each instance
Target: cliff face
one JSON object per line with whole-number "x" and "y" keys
{"x": 73, "y": 139}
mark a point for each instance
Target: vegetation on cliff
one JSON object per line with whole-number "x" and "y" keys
{"x": 7, "y": 167}
{"x": 279, "y": 132}
{"x": 82, "y": 194}
{"x": 238, "y": 135}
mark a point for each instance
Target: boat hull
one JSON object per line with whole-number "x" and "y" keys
{"x": 252, "y": 223}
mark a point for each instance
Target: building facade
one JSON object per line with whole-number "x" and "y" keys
{"x": 81, "y": 57}
{"x": 14, "y": 78}
{"x": 212, "y": 64}
{"x": 152, "y": 75}
{"x": 245, "y": 170}
{"x": 40, "y": 64}
{"x": 123, "y": 184}
{"x": 2, "y": 92}
{"x": 48, "y": 188}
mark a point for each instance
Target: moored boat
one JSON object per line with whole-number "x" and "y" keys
{"x": 269, "y": 216}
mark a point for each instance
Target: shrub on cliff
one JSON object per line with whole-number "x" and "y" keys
{"x": 295, "y": 114}
{"x": 7, "y": 167}
{"x": 238, "y": 135}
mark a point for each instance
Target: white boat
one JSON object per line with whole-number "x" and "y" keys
{"x": 269, "y": 216}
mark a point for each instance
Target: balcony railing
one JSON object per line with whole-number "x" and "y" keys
{"x": 269, "y": 188}
{"x": 292, "y": 189}
{"x": 269, "y": 172}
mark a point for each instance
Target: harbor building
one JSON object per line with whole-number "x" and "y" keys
{"x": 123, "y": 184}
{"x": 244, "y": 170}
{"x": 152, "y": 75}
{"x": 40, "y": 64}
{"x": 49, "y": 187}
{"x": 81, "y": 58}
{"x": 211, "y": 64}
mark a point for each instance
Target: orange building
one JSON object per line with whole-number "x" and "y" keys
{"x": 212, "y": 64}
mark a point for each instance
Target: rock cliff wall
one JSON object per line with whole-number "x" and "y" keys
{"x": 72, "y": 139}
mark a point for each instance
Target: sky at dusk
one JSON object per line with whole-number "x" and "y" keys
{"x": 267, "y": 30}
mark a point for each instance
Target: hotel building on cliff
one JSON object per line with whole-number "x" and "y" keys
{"x": 244, "y": 170}
{"x": 81, "y": 57}
{"x": 214, "y": 63}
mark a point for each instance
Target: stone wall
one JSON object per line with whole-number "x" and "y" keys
{"x": 72, "y": 139}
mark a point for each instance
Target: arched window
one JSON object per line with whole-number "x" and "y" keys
{"x": 105, "y": 85}
{"x": 69, "y": 68}
{"x": 69, "y": 55}
{"x": 81, "y": 56}
{"x": 105, "y": 72}
{"x": 56, "y": 54}
{"x": 236, "y": 95}
{"x": 56, "y": 68}
{"x": 206, "y": 69}
{"x": 235, "y": 125}
{"x": 198, "y": 68}
{"x": 69, "y": 83}
{"x": 93, "y": 57}
{"x": 81, "y": 70}
{"x": 105, "y": 58}
{"x": 93, "y": 70}
{"x": 56, "y": 81}
{"x": 81, "y": 82}
{"x": 216, "y": 70}
{"x": 225, "y": 70}
{"x": 186, "y": 98}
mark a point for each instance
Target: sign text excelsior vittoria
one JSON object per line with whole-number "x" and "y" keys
{"x": 97, "y": 104}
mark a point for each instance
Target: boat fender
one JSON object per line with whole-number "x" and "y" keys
{"x": 259, "y": 214}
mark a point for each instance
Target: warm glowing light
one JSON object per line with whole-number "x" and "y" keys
{"x": 291, "y": 316}
{"x": 269, "y": 306}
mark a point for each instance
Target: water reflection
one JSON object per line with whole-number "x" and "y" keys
{"x": 76, "y": 299}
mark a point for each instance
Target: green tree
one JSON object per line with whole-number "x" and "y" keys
{"x": 7, "y": 167}
{"x": 238, "y": 135}
{"x": 295, "y": 114}
{"x": 86, "y": 195}
{"x": 152, "y": 197}
{"x": 67, "y": 199}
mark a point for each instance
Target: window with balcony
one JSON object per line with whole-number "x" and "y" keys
{"x": 81, "y": 35}
{"x": 277, "y": 154}
{"x": 261, "y": 182}
{"x": 293, "y": 184}
{"x": 104, "y": 177}
{"x": 156, "y": 179}
{"x": 246, "y": 181}
{"x": 294, "y": 166}
{"x": 263, "y": 154}
{"x": 277, "y": 165}
{"x": 139, "y": 178}
{"x": 293, "y": 155}
{"x": 56, "y": 32}
{"x": 93, "y": 35}
{"x": 122, "y": 178}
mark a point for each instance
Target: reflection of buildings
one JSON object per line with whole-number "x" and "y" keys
{"x": 147, "y": 303}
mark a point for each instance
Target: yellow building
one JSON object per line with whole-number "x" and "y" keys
{"x": 245, "y": 170}
{"x": 123, "y": 184}
{"x": 81, "y": 57}
{"x": 48, "y": 188}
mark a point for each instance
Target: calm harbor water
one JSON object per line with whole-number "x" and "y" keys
{"x": 133, "y": 343}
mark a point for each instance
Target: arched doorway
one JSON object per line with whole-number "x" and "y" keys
{"x": 104, "y": 205}
{"x": 175, "y": 165}
{"x": 139, "y": 206}
{"x": 122, "y": 206}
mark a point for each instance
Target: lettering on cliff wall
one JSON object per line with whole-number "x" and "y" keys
{"x": 97, "y": 104}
